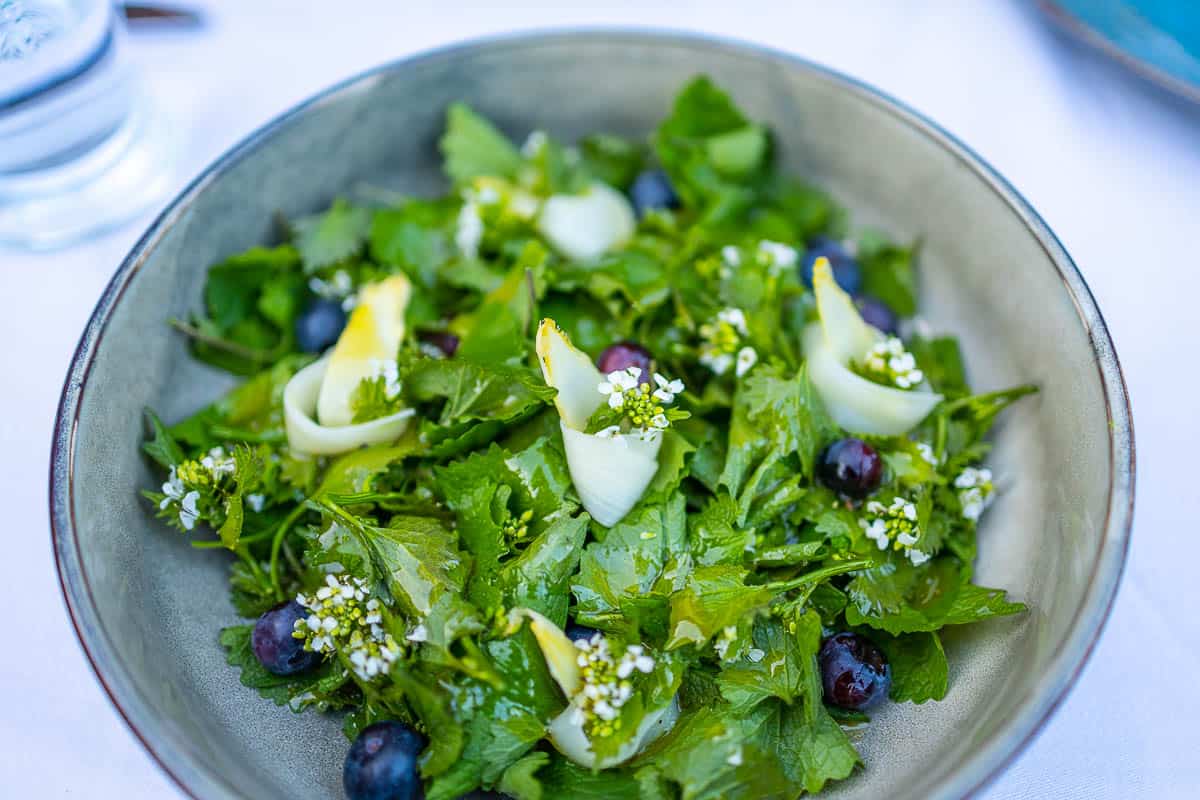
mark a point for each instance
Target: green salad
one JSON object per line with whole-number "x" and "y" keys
{"x": 624, "y": 469}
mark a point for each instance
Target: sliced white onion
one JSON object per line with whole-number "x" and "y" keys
{"x": 307, "y": 436}
{"x": 571, "y": 372}
{"x": 588, "y": 225}
{"x": 846, "y": 333}
{"x": 560, "y": 652}
{"x": 857, "y": 404}
{"x": 567, "y": 734}
{"x": 610, "y": 474}
{"x": 372, "y": 335}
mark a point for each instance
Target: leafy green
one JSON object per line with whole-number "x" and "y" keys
{"x": 888, "y": 275}
{"x": 713, "y": 598}
{"x": 329, "y": 684}
{"x": 918, "y": 662}
{"x": 473, "y": 148}
{"x": 733, "y": 564}
{"x": 626, "y": 579}
{"x": 326, "y": 239}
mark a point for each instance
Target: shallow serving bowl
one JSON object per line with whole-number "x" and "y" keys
{"x": 148, "y": 607}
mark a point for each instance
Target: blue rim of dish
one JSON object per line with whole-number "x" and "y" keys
{"x": 1017, "y": 729}
{"x": 1076, "y": 27}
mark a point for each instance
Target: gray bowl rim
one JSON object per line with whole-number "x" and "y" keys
{"x": 1021, "y": 724}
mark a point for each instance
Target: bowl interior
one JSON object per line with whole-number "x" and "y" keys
{"x": 149, "y": 607}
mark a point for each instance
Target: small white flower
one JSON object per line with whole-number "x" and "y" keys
{"x": 719, "y": 363}
{"x": 523, "y": 205}
{"x": 534, "y": 143}
{"x": 735, "y": 758}
{"x": 255, "y": 501}
{"x": 390, "y": 373}
{"x": 755, "y": 655}
{"x": 418, "y": 634}
{"x": 218, "y": 464}
{"x": 889, "y": 361}
{"x": 917, "y": 557}
{"x": 747, "y": 357}
{"x": 731, "y": 255}
{"x": 339, "y": 286}
{"x": 187, "y": 510}
{"x": 667, "y": 389}
{"x": 468, "y": 233}
{"x": 487, "y": 196}
{"x": 735, "y": 317}
{"x": 173, "y": 489}
{"x": 777, "y": 255}
{"x": 926, "y": 452}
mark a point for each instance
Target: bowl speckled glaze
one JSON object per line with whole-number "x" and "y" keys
{"x": 148, "y": 607}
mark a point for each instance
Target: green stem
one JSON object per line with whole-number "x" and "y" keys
{"x": 277, "y": 542}
{"x": 818, "y": 575}
{"x": 192, "y": 332}
{"x": 241, "y": 434}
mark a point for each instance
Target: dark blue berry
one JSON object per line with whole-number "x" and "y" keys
{"x": 877, "y": 314}
{"x": 443, "y": 340}
{"x": 851, "y": 467}
{"x": 579, "y": 633}
{"x": 382, "y": 763}
{"x": 626, "y": 354}
{"x": 846, "y": 270}
{"x": 273, "y": 644}
{"x": 320, "y": 325}
{"x": 652, "y": 191}
{"x": 854, "y": 672}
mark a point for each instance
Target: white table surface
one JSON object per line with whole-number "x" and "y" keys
{"x": 1112, "y": 166}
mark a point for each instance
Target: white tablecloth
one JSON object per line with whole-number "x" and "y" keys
{"x": 1113, "y": 166}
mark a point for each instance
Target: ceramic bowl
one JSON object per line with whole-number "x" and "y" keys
{"x": 148, "y": 607}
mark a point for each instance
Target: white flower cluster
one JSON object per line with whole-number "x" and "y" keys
{"x": 185, "y": 482}
{"x": 606, "y": 684}
{"x": 339, "y": 287}
{"x": 890, "y": 361}
{"x": 643, "y": 407}
{"x": 926, "y": 453}
{"x": 176, "y": 492}
{"x": 894, "y": 525}
{"x": 975, "y": 491}
{"x": 776, "y": 255}
{"x": 342, "y": 618}
{"x": 386, "y": 370}
{"x": 468, "y": 230}
{"x": 720, "y": 350}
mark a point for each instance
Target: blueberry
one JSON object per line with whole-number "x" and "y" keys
{"x": 850, "y": 466}
{"x": 443, "y": 340}
{"x": 382, "y": 763}
{"x": 320, "y": 325}
{"x": 877, "y": 314}
{"x": 846, "y": 270}
{"x": 854, "y": 672}
{"x": 652, "y": 191}
{"x": 626, "y": 354}
{"x": 273, "y": 644}
{"x": 579, "y": 633}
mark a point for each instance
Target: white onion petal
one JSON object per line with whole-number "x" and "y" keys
{"x": 566, "y": 733}
{"x": 305, "y": 435}
{"x": 610, "y": 474}
{"x": 588, "y": 225}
